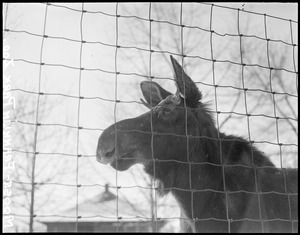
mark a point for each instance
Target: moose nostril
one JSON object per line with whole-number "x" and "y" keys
{"x": 109, "y": 154}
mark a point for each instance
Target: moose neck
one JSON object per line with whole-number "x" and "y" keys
{"x": 182, "y": 179}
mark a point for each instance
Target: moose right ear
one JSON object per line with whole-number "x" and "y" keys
{"x": 153, "y": 93}
{"x": 186, "y": 86}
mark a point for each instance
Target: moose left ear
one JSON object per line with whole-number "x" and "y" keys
{"x": 185, "y": 84}
{"x": 153, "y": 93}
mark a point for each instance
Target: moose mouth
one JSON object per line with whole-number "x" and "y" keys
{"x": 120, "y": 162}
{"x": 123, "y": 162}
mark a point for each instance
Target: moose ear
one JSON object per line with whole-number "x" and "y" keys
{"x": 153, "y": 92}
{"x": 185, "y": 84}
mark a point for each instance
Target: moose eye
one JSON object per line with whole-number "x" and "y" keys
{"x": 164, "y": 112}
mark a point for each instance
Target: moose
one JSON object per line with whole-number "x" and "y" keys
{"x": 222, "y": 183}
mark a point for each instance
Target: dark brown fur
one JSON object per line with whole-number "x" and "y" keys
{"x": 221, "y": 182}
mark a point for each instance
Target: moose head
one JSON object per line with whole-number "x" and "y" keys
{"x": 165, "y": 132}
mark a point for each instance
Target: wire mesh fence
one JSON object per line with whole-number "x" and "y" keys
{"x": 70, "y": 71}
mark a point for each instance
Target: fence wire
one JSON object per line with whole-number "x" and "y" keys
{"x": 116, "y": 72}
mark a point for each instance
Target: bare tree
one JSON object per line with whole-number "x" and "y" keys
{"x": 272, "y": 94}
{"x": 32, "y": 168}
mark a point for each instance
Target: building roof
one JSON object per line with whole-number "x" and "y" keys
{"x": 105, "y": 207}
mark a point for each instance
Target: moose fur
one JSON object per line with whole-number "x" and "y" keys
{"x": 222, "y": 183}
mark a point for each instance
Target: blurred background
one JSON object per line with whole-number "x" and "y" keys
{"x": 71, "y": 62}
